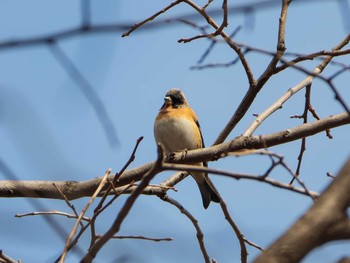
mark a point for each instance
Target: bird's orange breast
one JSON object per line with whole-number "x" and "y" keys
{"x": 176, "y": 129}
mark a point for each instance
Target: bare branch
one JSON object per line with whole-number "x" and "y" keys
{"x": 315, "y": 115}
{"x": 261, "y": 141}
{"x": 74, "y": 230}
{"x": 317, "y": 226}
{"x": 140, "y": 24}
{"x": 52, "y": 212}
{"x": 302, "y": 57}
{"x": 227, "y": 38}
{"x": 332, "y": 226}
{"x": 304, "y": 83}
{"x": 238, "y": 176}
{"x": 200, "y": 236}
{"x": 131, "y": 159}
{"x": 239, "y": 235}
{"x": 210, "y": 48}
{"x": 74, "y": 190}
{"x": 6, "y": 259}
{"x": 219, "y": 30}
{"x": 256, "y": 86}
{"x": 143, "y": 238}
{"x": 124, "y": 210}
{"x": 253, "y": 244}
{"x": 285, "y": 63}
{"x": 70, "y": 205}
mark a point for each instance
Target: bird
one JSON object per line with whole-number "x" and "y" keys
{"x": 176, "y": 128}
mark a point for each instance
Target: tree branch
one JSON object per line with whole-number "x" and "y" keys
{"x": 95, "y": 248}
{"x": 73, "y": 190}
{"x": 238, "y": 176}
{"x": 325, "y": 221}
{"x": 6, "y": 259}
{"x": 144, "y": 238}
{"x": 82, "y": 213}
{"x": 304, "y": 83}
{"x": 256, "y": 86}
{"x": 194, "y": 221}
{"x": 260, "y": 141}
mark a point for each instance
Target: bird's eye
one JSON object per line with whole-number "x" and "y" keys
{"x": 177, "y": 99}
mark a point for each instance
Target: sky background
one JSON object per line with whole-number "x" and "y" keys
{"x": 49, "y": 130}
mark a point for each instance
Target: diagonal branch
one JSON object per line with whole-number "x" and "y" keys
{"x": 256, "y": 86}
{"x": 304, "y": 83}
{"x": 88, "y": 91}
{"x": 232, "y": 44}
{"x": 240, "y": 236}
{"x": 82, "y": 213}
{"x": 94, "y": 249}
{"x": 142, "y": 23}
{"x": 6, "y": 259}
{"x": 200, "y": 235}
{"x": 317, "y": 226}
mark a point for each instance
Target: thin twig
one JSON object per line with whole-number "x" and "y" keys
{"x": 315, "y": 115}
{"x": 289, "y": 170}
{"x": 227, "y": 39}
{"x": 52, "y": 212}
{"x": 124, "y": 210}
{"x": 210, "y": 48}
{"x": 302, "y": 57}
{"x": 118, "y": 174}
{"x": 112, "y": 186}
{"x": 305, "y": 82}
{"x": 303, "y": 140}
{"x": 215, "y": 65}
{"x": 219, "y": 29}
{"x": 253, "y": 244}
{"x": 140, "y": 24}
{"x": 200, "y": 235}
{"x": 330, "y": 175}
{"x": 207, "y": 4}
{"x": 144, "y": 238}
{"x": 131, "y": 159}
{"x": 238, "y": 176}
{"x": 328, "y": 81}
{"x": 71, "y": 235}
{"x": 285, "y": 63}
{"x": 67, "y": 202}
{"x": 239, "y": 235}
{"x": 255, "y": 86}
{"x": 91, "y": 224}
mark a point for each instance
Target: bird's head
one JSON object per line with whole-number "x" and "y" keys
{"x": 175, "y": 98}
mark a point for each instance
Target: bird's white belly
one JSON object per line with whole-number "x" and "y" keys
{"x": 176, "y": 134}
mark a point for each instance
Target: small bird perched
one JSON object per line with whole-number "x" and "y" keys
{"x": 177, "y": 128}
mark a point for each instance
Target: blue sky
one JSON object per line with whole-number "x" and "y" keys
{"x": 50, "y": 131}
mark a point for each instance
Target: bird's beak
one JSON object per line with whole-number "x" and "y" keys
{"x": 167, "y": 102}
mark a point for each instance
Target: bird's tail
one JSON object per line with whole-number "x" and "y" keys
{"x": 207, "y": 192}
